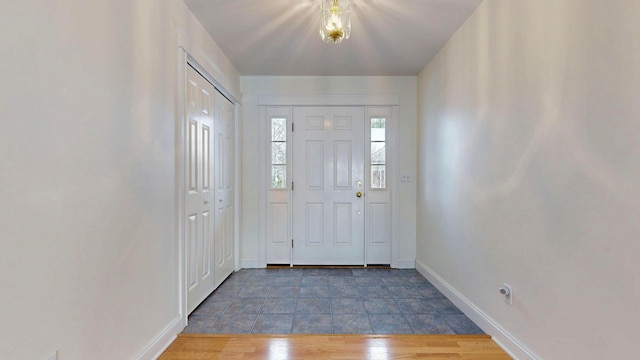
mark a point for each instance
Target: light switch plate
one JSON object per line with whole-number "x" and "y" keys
{"x": 405, "y": 177}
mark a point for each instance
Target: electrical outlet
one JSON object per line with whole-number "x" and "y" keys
{"x": 53, "y": 356}
{"x": 506, "y": 291}
{"x": 405, "y": 177}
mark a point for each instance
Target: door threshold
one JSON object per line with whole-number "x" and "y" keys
{"x": 284, "y": 266}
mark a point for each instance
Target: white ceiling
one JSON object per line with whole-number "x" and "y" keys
{"x": 280, "y": 37}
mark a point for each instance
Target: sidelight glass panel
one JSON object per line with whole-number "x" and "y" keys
{"x": 278, "y": 153}
{"x": 378, "y": 153}
{"x": 378, "y": 176}
{"x": 278, "y": 129}
{"x": 278, "y": 176}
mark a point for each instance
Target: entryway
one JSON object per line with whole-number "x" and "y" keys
{"x": 328, "y": 196}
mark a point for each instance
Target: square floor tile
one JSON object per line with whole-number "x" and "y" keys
{"x": 368, "y": 280}
{"x": 428, "y": 324}
{"x": 381, "y": 306}
{"x": 273, "y": 324}
{"x": 389, "y": 324}
{"x": 445, "y": 306}
{"x": 254, "y": 291}
{"x": 394, "y": 280}
{"x": 374, "y": 292}
{"x": 404, "y": 292}
{"x": 315, "y": 281}
{"x": 284, "y": 292}
{"x": 313, "y": 306}
{"x": 415, "y": 306}
{"x": 287, "y": 281}
{"x": 312, "y": 324}
{"x": 229, "y": 291}
{"x": 199, "y": 324}
{"x": 351, "y": 324}
{"x": 286, "y": 272}
{"x": 344, "y": 291}
{"x": 315, "y": 272}
{"x": 347, "y": 306}
{"x": 342, "y": 280}
{"x": 279, "y": 306}
{"x": 245, "y": 306}
{"x": 214, "y": 305}
{"x": 314, "y": 291}
{"x": 430, "y": 292}
{"x": 234, "y": 324}
{"x": 339, "y": 272}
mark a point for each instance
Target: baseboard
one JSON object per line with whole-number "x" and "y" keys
{"x": 512, "y": 345}
{"x": 406, "y": 264}
{"x": 162, "y": 341}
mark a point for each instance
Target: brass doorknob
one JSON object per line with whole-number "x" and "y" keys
{"x": 359, "y": 194}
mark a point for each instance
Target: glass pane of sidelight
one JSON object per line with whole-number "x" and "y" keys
{"x": 378, "y": 176}
{"x": 278, "y": 176}
{"x": 278, "y": 129}
{"x": 279, "y": 153}
{"x": 378, "y": 155}
{"x": 378, "y": 129}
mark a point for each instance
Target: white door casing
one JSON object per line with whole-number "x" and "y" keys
{"x": 328, "y": 173}
{"x": 199, "y": 221}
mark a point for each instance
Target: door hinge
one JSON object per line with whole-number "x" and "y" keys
{"x": 291, "y": 242}
{"x": 292, "y": 185}
{"x": 292, "y": 127}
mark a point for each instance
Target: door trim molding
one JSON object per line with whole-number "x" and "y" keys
{"x": 270, "y": 100}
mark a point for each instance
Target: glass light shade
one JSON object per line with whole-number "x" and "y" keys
{"x": 335, "y": 23}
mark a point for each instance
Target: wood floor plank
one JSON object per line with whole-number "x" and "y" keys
{"x": 334, "y": 347}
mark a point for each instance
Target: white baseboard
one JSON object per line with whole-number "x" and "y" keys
{"x": 512, "y": 345}
{"x": 162, "y": 341}
{"x": 406, "y": 264}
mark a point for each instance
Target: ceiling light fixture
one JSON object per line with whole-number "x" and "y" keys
{"x": 335, "y": 23}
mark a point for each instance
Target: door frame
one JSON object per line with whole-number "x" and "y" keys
{"x": 190, "y": 54}
{"x": 289, "y": 101}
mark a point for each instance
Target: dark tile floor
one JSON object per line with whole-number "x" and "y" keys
{"x": 328, "y": 301}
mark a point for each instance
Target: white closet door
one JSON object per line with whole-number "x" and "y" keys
{"x": 328, "y": 198}
{"x": 224, "y": 188}
{"x": 199, "y": 222}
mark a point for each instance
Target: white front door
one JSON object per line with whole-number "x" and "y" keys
{"x": 224, "y": 191}
{"x": 199, "y": 234}
{"x": 328, "y": 196}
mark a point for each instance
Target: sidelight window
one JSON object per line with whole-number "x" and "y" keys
{"x": 278, "y": 153}
{"x": 378, "y": 153}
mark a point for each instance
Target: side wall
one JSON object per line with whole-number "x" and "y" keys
{"x": 253, "y": 86}
{"x": 87, "y": 157}
{"x": 528, "y": 123}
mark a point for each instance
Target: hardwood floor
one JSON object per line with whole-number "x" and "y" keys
{"x": 311, "y": 347}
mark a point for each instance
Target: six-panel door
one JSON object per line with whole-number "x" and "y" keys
{"x": 328, "y": 172}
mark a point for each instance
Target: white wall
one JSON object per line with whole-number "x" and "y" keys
{"x": 528, "y": 171}
{"x": 87, "y": 185}
{"x": 253, "y": 86}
